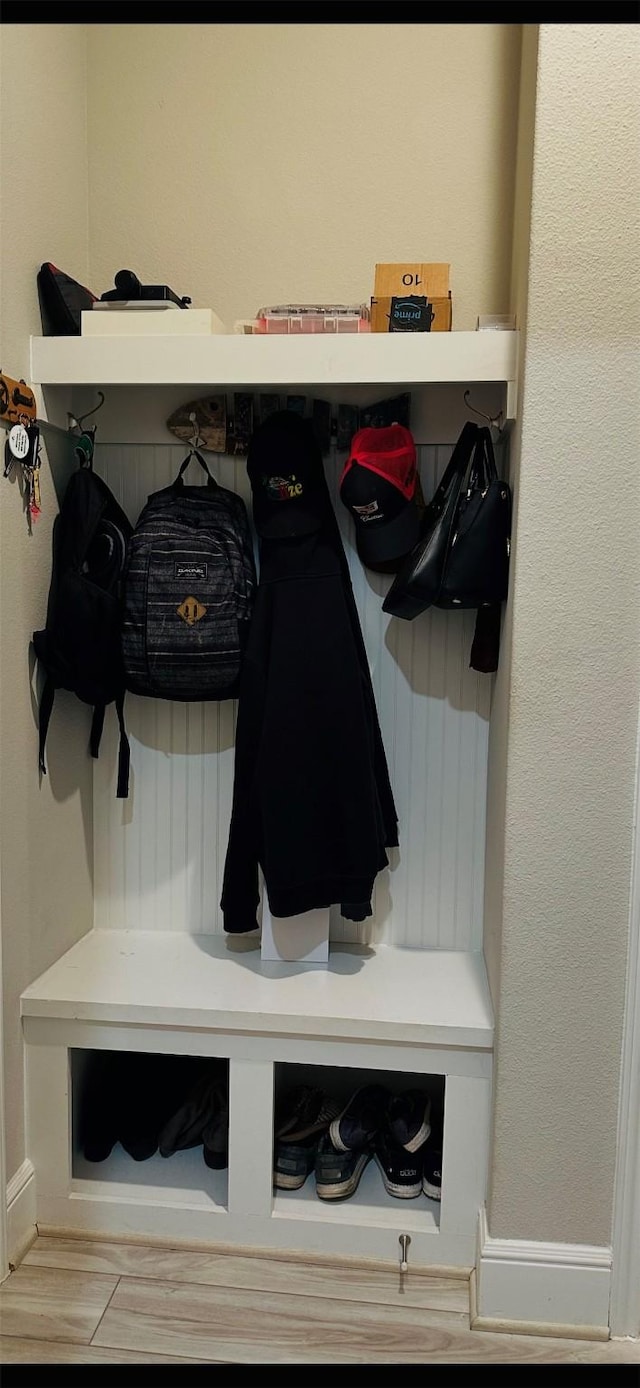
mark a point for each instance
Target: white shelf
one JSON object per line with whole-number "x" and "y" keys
{"x": 182, "y": 1179}
{"x": 212, "y": 982}
{"x": 371, "y": 1205}
{"x": 236, "y": 359}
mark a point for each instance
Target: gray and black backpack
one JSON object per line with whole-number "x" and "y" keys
{"x": 188, "y": 592}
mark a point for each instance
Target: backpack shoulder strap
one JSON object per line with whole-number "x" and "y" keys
{"x": 44, "y": 714}
{"x": 124, "y": 751}
{"x": 97, "y": 724}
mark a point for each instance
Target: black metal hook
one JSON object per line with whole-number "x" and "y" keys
{"x": 77, "y": 421}
{"x": 493, "y": 422}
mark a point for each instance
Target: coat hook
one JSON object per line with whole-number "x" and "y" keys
{"x": 77, "y": 421}
{"x": 196, "y": 441}
{"x": 494, "y": 422}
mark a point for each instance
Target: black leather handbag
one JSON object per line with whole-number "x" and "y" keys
{"x": 462, "y": 556}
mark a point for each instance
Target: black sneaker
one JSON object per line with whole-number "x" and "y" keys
{"x": 153, "y": 1087}
{"x": 432, "y": 1172}
{"x": 215, "y": 1136}
{"x": 303, "y": 1112}
{"x": 300, "y": 1121}
{"x": 357, "y": 1124}
{"x": 197, "y": 1109}
{"x": 98, "y": 1116}
{"x": 401, "y": 1171}
{"x": 338, "y": 1173}
{"x": 408, "y": 1118}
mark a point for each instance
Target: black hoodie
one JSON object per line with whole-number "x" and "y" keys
{"x": 312, "y": 801}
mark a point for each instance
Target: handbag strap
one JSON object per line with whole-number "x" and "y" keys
{"x": 482, "y": 466}
{"x": 489, "y": 455}
{"x": 194, "y": 453}
{"x": 456, "y": 468}
{"x": 479, "y": 475}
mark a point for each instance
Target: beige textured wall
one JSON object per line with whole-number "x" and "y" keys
{"x": 247, "y": 164}
{"x": 499, "y": 727}
{"x": 45, "y": 832}
{"x": 575, "y": 667}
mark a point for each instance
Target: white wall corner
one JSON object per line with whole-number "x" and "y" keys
{"x": 21, "y": 1212}
{"x": 541, "y": 1288}
{"x": 625, "y": 1282}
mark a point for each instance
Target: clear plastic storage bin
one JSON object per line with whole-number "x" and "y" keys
{"x": 307, "y": 318}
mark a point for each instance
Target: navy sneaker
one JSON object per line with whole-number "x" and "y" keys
{"x": 408, "y": 1117}
{"x": 338, "y": 1172}
{"x": 432, "y": 1172}
{"x": 357, "y": 1124}
{"x": 402, "y": 1173}
{"x": 293, "y": 1161}
{"x": 300, "y": 1121}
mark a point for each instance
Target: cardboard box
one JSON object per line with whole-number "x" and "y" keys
{"x": 432, "y": 280}
{"x": 412, "y": 319}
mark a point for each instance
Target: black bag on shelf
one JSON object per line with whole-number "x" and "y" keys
{"x": 462, "y": 556}
{"x": 188, "y": 592}
{"x": 79, "y": 648}
{"x": 62, "y": 301}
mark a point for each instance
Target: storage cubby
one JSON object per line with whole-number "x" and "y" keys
{"x": 370, "y": 1202}
{"x": 123, "y": 1103}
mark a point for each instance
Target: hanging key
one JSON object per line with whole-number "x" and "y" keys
{"x": 30, "y": 461}
{"x": 35, "y": 501}
{"x": 33, "y": 472}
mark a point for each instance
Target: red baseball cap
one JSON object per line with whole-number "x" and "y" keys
{"x": 378, "y": 487}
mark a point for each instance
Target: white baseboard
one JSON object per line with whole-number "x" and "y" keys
{"x": 551, "y": 1288}
{"x": 21, "y": 1212}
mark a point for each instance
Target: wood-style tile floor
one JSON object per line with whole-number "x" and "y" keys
{"x": 85, "y": 1301}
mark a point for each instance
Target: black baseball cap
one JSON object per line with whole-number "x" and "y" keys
{"x": 289, "y": 490}
{"x": 378, "y": 486}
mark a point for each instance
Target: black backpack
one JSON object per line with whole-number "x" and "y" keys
{"x": 188, "y": 592}
{"x": 79, "y": 648}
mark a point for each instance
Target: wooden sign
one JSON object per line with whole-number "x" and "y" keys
{"x": 17, "y": 400}
{"x": 427, "y": 279}
{"x": 206, "y": 419}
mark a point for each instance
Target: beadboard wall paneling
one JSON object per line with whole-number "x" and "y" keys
{"x": 159, "y": 856}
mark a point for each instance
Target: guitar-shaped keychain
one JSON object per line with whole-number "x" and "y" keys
{"x": 31, "y": 474}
